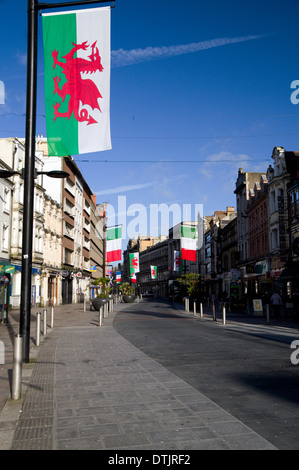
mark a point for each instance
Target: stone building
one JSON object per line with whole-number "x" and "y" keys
{"x": 12, "y": 152}
{"x": 51, "y": 274}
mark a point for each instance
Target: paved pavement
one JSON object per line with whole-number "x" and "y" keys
{"x": 88, "y": 388}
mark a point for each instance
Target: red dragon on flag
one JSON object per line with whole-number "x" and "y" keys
{"x": 81, "y": 90}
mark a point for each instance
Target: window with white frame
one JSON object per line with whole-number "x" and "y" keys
{"x": 7, "y": 195}
{"x": 5, "y": 237}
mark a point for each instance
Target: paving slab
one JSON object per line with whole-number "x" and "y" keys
{"x": 90, "y": 389}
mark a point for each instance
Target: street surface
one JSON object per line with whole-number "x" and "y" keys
{"x": 248, "y": 375}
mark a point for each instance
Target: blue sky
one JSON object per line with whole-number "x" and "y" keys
{"x": 198, "y": 90}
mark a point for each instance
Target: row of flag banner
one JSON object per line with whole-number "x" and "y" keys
{"x": 187, "y": 252}
{"x": 134, "y": 267}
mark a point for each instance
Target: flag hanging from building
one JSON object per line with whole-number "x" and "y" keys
{"x": 114, "y": 237}
{"x": 134, "y": 265}
{"x": 77, "y": 81}
{"x": 177, "y": 261}
{"x": 118, "y": 277}
{"x": 154, "y": 273}
{"x": 188, "y": 242}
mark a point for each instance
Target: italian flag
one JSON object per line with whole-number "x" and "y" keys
{"x": 188, "y": 242}
{"x": 114, "y": 237}
{"x": 77, "y": 81}
{"x": 154, "y": 274}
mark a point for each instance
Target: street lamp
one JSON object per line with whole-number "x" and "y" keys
{"x": 25, "y": 310}
{"x": 29, "y": 171}
{"x": 52, "y": 173}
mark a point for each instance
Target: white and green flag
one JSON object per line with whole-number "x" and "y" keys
{"x": 77, "y": 81}
{"x": 154, "y": 273}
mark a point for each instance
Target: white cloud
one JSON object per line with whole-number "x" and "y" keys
{"x": 216, "y": 162}
{"x": 124, "y": 189}
{"x": 121, "y": 57}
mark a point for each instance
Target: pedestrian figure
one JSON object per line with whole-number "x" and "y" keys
{"x": 276, "y": 303}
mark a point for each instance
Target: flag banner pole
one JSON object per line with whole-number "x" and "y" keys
{"x": 45, "y": 6}
{"x": 29, "y": 168}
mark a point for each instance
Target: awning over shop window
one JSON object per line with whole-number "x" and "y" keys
{"x": 7, "y": 269}
{"x": 19, "y": 268}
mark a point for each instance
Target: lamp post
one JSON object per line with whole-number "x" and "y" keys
{"x": 33, "y": 6}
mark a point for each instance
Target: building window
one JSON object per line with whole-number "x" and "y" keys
{"x": 5, "y": 237}
{"x": 274, "y": 240}
{"x": 273, "y": 202}
{"x": 6, "y": 199}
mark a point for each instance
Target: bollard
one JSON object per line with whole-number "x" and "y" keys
{"x": 223, "y": 315}
{"x": 45, "y": 322}
{"x": 213, "y": 310}
{"x": 17, "y": 368}
{"x": 52, "y": 317}
{"x": 186, "y": 304}
{"x": 84, "y": 305}
{"x": 38, "y": 315}
{"x": 267, "y": 314}
{"x": 194, "y": 307}
{"x": 201, "y": 312}
{"x": 101, "y": 316}
{"x": 105, "y": 309}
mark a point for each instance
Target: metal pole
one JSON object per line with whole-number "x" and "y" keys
{"x": 52, "y": 317}
{"x": 223, "y": 314}
{"x": 267, "y": 314}
{"x": 45, "y": 322}
{"x": 17, "y": 368}
{"x": 29, "y": 169}
{"x": 101, "y": 316}
{"x": 43, "y": 6}
{"x": 194, "y": 307}
{"x": 38, "y": 315}
{"x": 29, "y": 176}
{"x": 201, "y": 312}
{"x": 213, "y": 310}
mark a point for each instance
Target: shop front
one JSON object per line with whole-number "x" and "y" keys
{"x": 6, "y": 271}
{"x": 15, "y": 296}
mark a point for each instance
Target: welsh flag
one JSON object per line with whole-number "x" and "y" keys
{"x": 114, "y": 237}
{"x": 188, "y": 242}
{"x": 177, "y": 265}
{"x": 134, "y": 265}
{"x": 77, "y": 81}
{"x": 154, "y": 274}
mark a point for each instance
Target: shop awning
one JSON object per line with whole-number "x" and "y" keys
{"x": 7, "y": 269}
